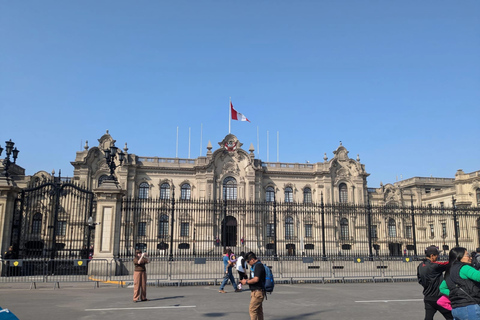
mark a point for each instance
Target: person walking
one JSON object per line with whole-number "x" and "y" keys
{"x": 227, "y": 271}
{"x": 241, "y": 268}
{"x": 256, "y": 284}
{"x": 430, "y": 276}
{"x": 140, "y": 276}
{"x": 462, "y": 285}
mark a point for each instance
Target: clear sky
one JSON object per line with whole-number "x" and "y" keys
{"x": 398, "y": 82}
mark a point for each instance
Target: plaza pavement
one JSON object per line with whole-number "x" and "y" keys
{"x": 372, "y": 301}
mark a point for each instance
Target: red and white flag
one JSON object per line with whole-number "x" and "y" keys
{"x": 237, "y": 115}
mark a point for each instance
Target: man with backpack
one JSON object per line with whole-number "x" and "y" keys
{"x": 257, "y": 286}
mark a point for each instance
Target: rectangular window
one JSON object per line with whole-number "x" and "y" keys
{"x": 61, "y": 228}
{"x": 444, "y": 230}
{"x": 142, "y": 229}
{"x": 408, "y": 232}
{"x": 442, "y": 205}
{"x": 373, "y": 231}
{"x": 184, "y": 229}
{"x": 308, "y": 230}
{"x": 270, "y": 229}
{"x": 432, "y": 231}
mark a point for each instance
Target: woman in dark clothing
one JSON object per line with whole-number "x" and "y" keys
{"x": 462, "y": 285}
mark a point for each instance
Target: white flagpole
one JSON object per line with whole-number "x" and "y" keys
{"x": 229, "y": 116}
{"x": 189, "y": 131}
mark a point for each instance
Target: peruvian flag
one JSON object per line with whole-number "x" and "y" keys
{"x": 237, "y": 115}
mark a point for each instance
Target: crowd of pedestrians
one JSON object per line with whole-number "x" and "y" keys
{"x": 453, "y": 287}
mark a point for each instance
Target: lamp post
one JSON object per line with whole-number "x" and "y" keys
{"x": 91, "y": 226}
{"x": 9, "y": 151}
{"x": 110, "y": 155}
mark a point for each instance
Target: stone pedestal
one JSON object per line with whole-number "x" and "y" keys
{"x": 108, "y": 224}
{"x": 8, "y": 194}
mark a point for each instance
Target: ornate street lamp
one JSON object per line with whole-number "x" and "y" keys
{"x": 9, "y": 151}
{"x": 110, "y": 155}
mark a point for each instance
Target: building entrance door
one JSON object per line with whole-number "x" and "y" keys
{"x": 229, "y": 232}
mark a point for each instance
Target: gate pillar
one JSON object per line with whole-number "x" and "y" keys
{"x": 8, "y": 194}
{"x": 107, "y": 232}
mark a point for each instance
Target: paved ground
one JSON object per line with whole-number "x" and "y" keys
{"x": 357, "y": 301}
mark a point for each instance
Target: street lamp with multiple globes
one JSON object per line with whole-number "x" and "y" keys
{"x": 110, "y": 155}
{"x": 9, "y": 151}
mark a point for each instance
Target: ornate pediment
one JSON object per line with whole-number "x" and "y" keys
{"x": 230, "y": 143}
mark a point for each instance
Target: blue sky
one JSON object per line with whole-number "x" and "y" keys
{"x": 398, "y": 82}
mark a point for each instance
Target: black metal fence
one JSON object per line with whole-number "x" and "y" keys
{"x": 50, "y": 221}
{"x": 203, "y": 228}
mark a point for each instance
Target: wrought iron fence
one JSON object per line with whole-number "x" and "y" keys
{"x": 203, "y": 228}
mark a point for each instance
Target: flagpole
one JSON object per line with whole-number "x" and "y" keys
{"x": 229, "y": 116}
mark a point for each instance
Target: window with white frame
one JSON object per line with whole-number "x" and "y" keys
{"x": 165, "y": 191}
{"x": 186, "y": 192}
{"x": 143, "y": 189}
{"x": 230, "y": 188}
{"x": 37, "y": 223}
{"x": 289, "y": 228}
{"x": 343, "y": 192}
{"x": 61, "y": 228}
{"x": 163, "y": 226}
{"x": 184, "y": 229}
{"x": 344, "y": 234}
{"x": 307, "y": 195}
{"x": 308, "y": 230}
{"x": 142, "y": 229}
{"x": 270, "y": 194}
{"x": 270, "y": 229}
{"x": 288, "y": 194}
{"x": 392, "y": 228}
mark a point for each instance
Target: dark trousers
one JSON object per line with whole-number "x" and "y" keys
{"x": 242, "y": 275}
{"x": 431, "y": 307}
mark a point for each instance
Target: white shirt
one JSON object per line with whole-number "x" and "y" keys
{"x": 239, "y": 265}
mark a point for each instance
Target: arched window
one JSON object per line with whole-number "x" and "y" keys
{"x": 478, "y": 197}
{"x": 307, "y": 195}
{"x": 343, "y": 192}
{"x": 143, "y": 190}
{"x": 37, "y": 223}
{"x": 392, "y": 228}
{"x": 186, "y": 192}
{"x": 289, "y": 228}
{"x": 344, "y": 229}
{"x": 288, "y": 194}
{"x": 165, "y": 191}
{"x": 163, "y": 226}
{"x": 230, "y": 188}
{"x": 101, "y": 179}
{"x": 270, "y": 194}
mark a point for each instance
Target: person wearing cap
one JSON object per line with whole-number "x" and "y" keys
{"x": 430, "y": 276}
{"x": 140, "y": 276}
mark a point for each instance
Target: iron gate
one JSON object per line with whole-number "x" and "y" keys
{"x": 50, "y": 221}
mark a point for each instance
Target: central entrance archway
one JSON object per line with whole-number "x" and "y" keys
{"x": 229, "y": 235}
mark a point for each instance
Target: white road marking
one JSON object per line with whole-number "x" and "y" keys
{"x": 141, "y": 308}
{"x": 405, "y": 300}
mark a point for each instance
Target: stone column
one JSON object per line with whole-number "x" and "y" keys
{"x": 8, "y": 194}
{"x": 108, "y": 219}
